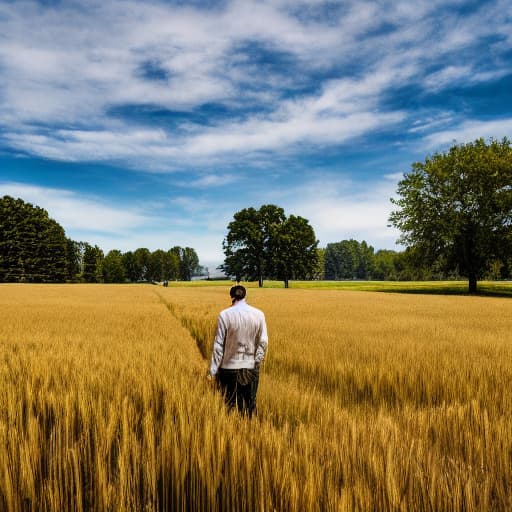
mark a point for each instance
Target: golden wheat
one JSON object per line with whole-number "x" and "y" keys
{"x": 367, "y": 401}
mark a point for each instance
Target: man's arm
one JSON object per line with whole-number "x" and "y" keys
{"x": 218, "y": 346}
{"x": 261, "y": 343}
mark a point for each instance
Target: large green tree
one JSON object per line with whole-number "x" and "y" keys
{"x": 132, "y": 269}
{"x": 92, "y": 264}
{"x": 142, "y": 262}
{"x": 112, "y": 267}
{"x": 265, "y": 243}
{"x": 73, "y": 260}
{"x": 295, "y": 255}
{"x": 455, "y": 208}
{"x": 188, "y": 261}
{"x": 171, "y": 265}
{"x": 244, "y": 246}
{"x": 349, "y": 259}
{"x": 33, "y": 247}
{"x": 384, "y": 266}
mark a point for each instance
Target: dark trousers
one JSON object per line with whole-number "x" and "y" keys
{"x": 239, "y": 388}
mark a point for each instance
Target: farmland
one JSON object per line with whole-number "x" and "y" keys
{"x": 367, "y": 401}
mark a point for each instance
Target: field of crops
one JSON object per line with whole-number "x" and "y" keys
{"x": 367, "y": 401}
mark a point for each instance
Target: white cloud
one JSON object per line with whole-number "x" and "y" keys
{"x": 208, "y": 246}
{"x": 70, "y": 65}
{"x": 469, "y": 131}
{"x": 428, "y": 123}
{"x": 343, "y": 215}
{"x": 212, "y": 180}
{"x": 112, "y": 227}
{"x": 448, "y": 76}
{"x": 77, "y": 213}
{"x": 340, "y": 208}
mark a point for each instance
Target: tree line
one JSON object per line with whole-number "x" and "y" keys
{"x": 454, "y": 211}
{"x": 266, "y": 244}
{"x": 350, "y": 259}
{"x": 35, "y": 248}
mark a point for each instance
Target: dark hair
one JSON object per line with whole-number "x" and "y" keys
{"x": 237, "y": 292}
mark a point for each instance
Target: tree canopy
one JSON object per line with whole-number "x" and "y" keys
{"x": 455, "y": 208}
{"x": 265, "y": 243}
{"x": 33, "y": 247}
{"x": 348, "y": 259}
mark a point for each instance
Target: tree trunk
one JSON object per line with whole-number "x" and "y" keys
{"x": 286, "y": 282}
{"x": 472, "y": 283}
{"x": 260, "y": 281}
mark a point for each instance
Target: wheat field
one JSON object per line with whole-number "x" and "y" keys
{"x": 367, "y": 401}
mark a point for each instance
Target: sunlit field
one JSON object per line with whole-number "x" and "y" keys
{"x": 367, "y": 401}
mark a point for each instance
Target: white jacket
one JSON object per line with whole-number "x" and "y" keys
{"x": 241, "y": 338}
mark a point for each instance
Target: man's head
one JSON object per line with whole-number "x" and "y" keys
{"x": 237, "y": 293}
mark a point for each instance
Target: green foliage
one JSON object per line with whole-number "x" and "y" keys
{"x": 456, "y": 208}
{"x": 92, "y": 264}
{"x": 188, "y": 262}
{"x": 349, "y": 259}
{"x": 265, "y": 243}
{"x": 33, "y": 247}
{"x": 245, "y": 249}
{"x": 384, "y": 267}
{"x": 295, "y": 256}
{"x": 142, "y": 263}
{"x": 113, "y": 268}
{"x": 73, "y": 260}
{"x": 131, "y": 267}
{"x": 319, "y": 270}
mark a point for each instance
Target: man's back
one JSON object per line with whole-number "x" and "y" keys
{"x": 239, "y": 347}
{"x": 243, "y": 329}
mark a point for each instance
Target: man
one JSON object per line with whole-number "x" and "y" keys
{"x": 238, "y": 350}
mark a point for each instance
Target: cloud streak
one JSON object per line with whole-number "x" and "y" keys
{"x": 78, "y": 213}
{"x": 65, "y": 69}
{"x": 471, "y": 130}
{"x": 202, "y": 109}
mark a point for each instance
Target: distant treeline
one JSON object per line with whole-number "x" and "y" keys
{"x": 34, "y": 248}
{"x": 350, "y": 259}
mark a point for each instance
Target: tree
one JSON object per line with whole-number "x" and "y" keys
{"x": 33, "y": 247}
{"x": 156, "y": 266}
{"x": 456, "y": 207}
{"x": 265, "y": 244}
{"x": 319, "y": 271}
{"x": 92, "y": 264}
{"x": 295, "y": 247}
{"x": 132, "y": 269}
{"x": 73, "y": 260}
{"x": 349, "y": 259}
{"x": 384, "y": 265}
{"x": 338, "y": 261}
{"x": 142, "y": 259}
{"x": 171, "y": 265}
{"x": 113, "y": 268}
{"x": 365, "y": 261}
{"x": 188, "y": 261}
{"x": 244, "y": 247}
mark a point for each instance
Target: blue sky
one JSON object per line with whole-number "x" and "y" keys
{"x": 149, "y": 124}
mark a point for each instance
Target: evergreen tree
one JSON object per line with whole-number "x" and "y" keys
{"x": 112, "y": 267}
{"x": 92, "y": 264}
{"x": 33, "y": 247}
